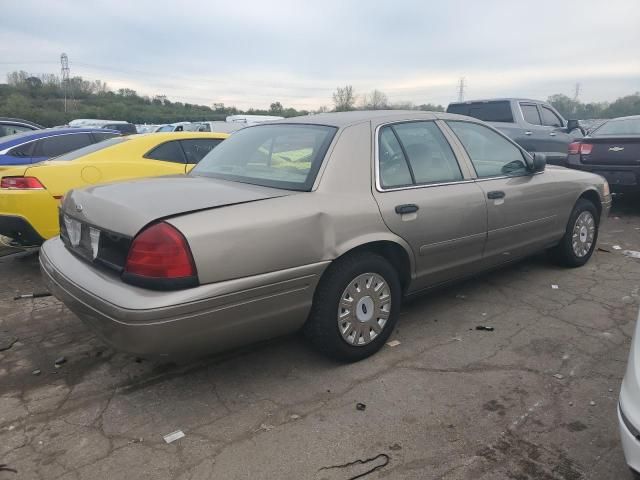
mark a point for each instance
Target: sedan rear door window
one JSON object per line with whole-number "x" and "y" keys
{"x": 430, "y": 156}
{"x": 492, "y": 155}
{"x": 394, "y": 169}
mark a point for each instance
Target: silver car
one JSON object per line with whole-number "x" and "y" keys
{"x": 322, "y": 223}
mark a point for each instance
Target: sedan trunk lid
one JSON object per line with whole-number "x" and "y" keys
{"x": 623, "y": 150}
{"x": 126, "y": 207}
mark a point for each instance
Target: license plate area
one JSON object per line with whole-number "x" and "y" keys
{"x": 81, "y": 238}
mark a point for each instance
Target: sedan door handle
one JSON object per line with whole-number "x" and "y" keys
{"x": 496, "y": 194}
{"x": 407, "y": 208}
{"x": 528, "y": 132}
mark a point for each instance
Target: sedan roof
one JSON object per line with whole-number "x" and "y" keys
{"x": 344, "y": 119}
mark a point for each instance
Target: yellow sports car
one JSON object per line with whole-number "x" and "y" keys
{"x": 30, "y": 194}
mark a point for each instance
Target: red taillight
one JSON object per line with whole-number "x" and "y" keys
{"x": 160, "y": 252}
{"x": 21, "y": 183}
{"x": 574, "y": 148}
{"x": 585, "y": 148}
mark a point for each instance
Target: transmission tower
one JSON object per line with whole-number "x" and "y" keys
{"x": 576, "y": 94}
{"x": 64, "y": 63}
{"x": 461, "y": 87}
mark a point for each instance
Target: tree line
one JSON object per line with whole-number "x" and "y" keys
{"x": 572, "y": 108}
{"x": 41, "y": 99}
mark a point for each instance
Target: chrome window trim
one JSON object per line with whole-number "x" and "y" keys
{"x": 376, "y": 160}
{"x": 4, "y": 152}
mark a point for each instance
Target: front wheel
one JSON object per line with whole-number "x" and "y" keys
{"x": 355, "y": 307}
{"x": 579, "y": 241}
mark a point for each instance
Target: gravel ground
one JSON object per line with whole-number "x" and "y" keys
{"x": 533, "y": 399}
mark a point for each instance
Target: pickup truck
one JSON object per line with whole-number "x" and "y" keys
{"x": 535, "y": 125}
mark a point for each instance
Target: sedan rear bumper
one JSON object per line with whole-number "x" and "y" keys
{"x": 204, "y": 319}
{"x": 621, "y": 178}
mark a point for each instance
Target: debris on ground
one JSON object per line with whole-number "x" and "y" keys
{"x": 294, "y": 417}
{"x": 616, "y": 247}
{"x": 592, "y": 403}
{"x": 136, "y": 440}
{"x": 266, "y": 427}
{"x": 393, "y": 343}
{"x": 604, "y": 248}
{"x": 173, "y": 436}
{"x": 555, "y": 287}
{"x": 460, "y": 295}
{"x": 395, "y": 447}
{"x": 37, "y": 371}
{"x": 559, "y": 376}
{"x": 485, "y": 328}
{"x": 7, "y": 341}
{"x": 631, "y": 253}
{"x": 59, "y": 362}
{"x": 361, "y": 406}
{"x": 32, "y": 295}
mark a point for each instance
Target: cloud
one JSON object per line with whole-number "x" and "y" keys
{"x": 252, "y": 53}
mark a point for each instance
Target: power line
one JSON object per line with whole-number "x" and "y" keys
{"x": 576, "y": 94}
{"x": 461, "y": 87}
{"x": 64, "y": 63}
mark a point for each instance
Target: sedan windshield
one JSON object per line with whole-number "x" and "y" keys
{"x": 284, "y": 156}
{"x": 623, "y": 126}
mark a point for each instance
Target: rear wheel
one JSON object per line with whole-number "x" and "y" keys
{"x": 579, "y": 241}
{"x": 355, "y": 307}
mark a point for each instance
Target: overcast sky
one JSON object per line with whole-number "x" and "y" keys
{"x": 251, "y": 53}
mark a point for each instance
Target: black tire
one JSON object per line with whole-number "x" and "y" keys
{"x": 563, "y": 253}
{"x": 321, "y": 327}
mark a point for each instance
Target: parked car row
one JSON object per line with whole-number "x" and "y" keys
{"x": 33, "y": 146}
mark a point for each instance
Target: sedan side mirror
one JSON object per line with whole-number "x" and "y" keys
{"x": 539, "y": 162}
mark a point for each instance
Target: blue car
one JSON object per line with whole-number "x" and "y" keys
{"x": 38, "y": 145}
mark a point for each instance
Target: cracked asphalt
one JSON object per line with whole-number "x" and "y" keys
{"x": 448, "y": 402}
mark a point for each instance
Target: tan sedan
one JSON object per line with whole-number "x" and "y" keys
{"x": 323, "y": 223}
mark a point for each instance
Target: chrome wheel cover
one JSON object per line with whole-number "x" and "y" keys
{"x": 365, "y": 306}
{"x": 584, "y": 231}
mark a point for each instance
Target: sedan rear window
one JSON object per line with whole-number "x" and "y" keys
{"x": 626, "y": 126}
{"x": 284, "y": 156}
